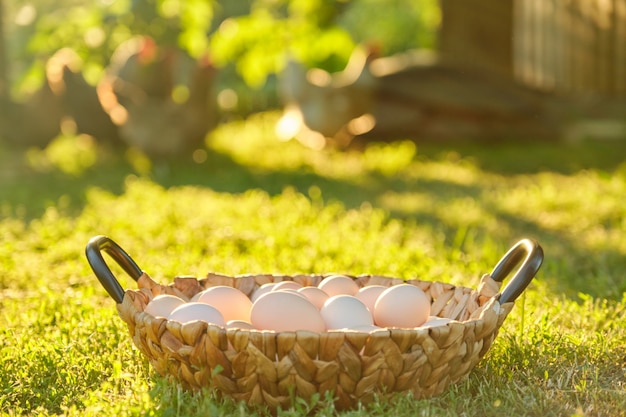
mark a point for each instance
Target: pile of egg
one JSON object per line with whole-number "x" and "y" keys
{"x": 337, "y": 303}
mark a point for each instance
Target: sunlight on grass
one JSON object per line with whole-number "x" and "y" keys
{"x": 389, "y": 159}
{"x": 139, "y": 161}
{"x": 583, "y": 211}
{"x": 71, "y": 154}
{"x": 408, "y": 202}
{"x": 254, "y": 204}
{"x": 253, "y": 142}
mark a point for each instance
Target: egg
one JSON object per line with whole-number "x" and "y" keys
{"x": 434, "y": 321}
{"x": 314, "y": 295}
{"x": 284, "y": 285}
{"x": 239, "y": 324}
{"x": 232, "y": 303}
{"x": 163, "y": 304}
{"x": 265, "y": 288}
{"x": 345, "y": 311}
{"x": 285, "y": 311}
{"x": 292, "y": 291}
{"x": 197, "y": 311}
{"x": 401, "y": 305}
{"x": 338, "y": 284}
{"x": 369, "y": 294}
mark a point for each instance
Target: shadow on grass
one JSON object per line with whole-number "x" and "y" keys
{"x": 515, "y": 158}
{"x": 29, "y": 193}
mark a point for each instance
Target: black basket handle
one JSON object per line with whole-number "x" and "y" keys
{"x": 530, "y": 254}
{"x": 94, "y": 250}
{"x": 526, "y": 251}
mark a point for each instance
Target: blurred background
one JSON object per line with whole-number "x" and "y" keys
{"x": 159, "y": 75}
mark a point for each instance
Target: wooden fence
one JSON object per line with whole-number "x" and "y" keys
{"x": 571, "y": 46}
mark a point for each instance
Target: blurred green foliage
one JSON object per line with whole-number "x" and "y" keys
{"x": 259, "y": 41}
{"x": 253, "y": 37}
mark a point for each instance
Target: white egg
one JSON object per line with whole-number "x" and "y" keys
{"x": 315, "y": 295}
{"x": 345, "y": 311}
{"x": 338, "y": 284}
{"x": 265, "y": 288}
{"x": 197, "y": 311}
{"x": 163, "y": 304}
{"x": 292, "y": 291}
{"x": 369, "y": 294}
{"x": 401, "y": 305}
{"x": 232, "y": 303}
{"x": 284, "y": 285}
{"x": 239, "y": 324}
{"x": 285, "y": 311}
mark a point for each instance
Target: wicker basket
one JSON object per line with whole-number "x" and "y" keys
{"x": 268, "y": 368}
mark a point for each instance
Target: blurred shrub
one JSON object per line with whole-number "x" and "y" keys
{"x": 249, "y": 39}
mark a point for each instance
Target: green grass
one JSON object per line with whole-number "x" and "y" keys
{"x": 252, "y": 204}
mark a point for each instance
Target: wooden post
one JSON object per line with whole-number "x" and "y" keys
{"x": 619, "y": 47}
{"x": 478, "y": 34}
{"x": 4, "y": 87}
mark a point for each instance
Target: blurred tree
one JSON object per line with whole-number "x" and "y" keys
{"x": 256, "y": 35}
{"x": 249, "y": 40}
{"x": 39, "y": 28}
{"x": 398, "y": 26}
{"x": 260, "y": 40}
{"x": 320, "y": 33}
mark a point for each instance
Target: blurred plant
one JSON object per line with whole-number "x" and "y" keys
{"x": 41, "y": 27}
{"x": 260, "y": 41}
{"x": 398, "y": 26}
{"x": 254, "y": 36}
{"x": 38, "y": 29}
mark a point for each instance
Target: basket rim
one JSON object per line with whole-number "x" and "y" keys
{"x": 148, "y": 286}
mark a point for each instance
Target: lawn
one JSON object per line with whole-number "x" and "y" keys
{"x": 253, "y": 204}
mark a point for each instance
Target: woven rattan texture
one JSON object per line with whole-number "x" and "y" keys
{"x": 268, "y": 368}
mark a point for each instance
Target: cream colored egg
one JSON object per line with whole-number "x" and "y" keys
{"x": 338, "y": 284}
{"x": 401, "y": 305}
{"x": 197, "y": 311}
{"x": 345, "y": 311}
{"x": 284, "y": 285}
{"x": 369, "y": 294}
{"x": 163, "y": 304}
{"x": 232, "y": 303}
{"x": 285, "y": 311}
{"x": 291, "y": 290}
{"x": 239, "y": 324}
{"x": 315, "y": 295}
{"x": 265, "y": 288}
